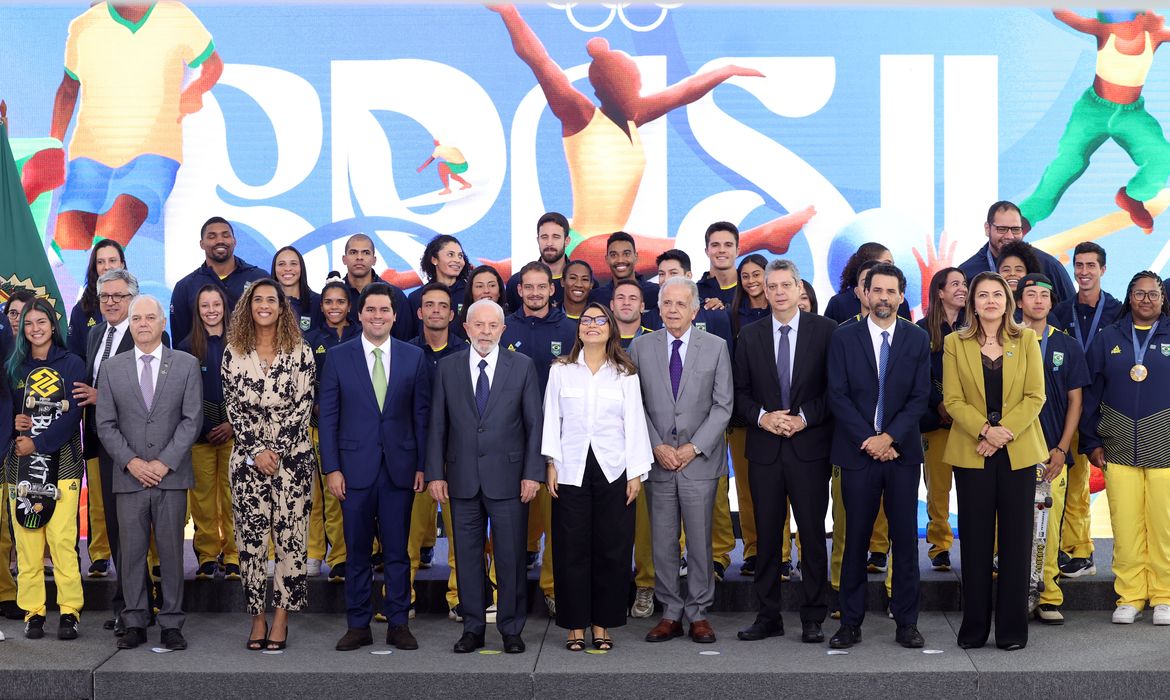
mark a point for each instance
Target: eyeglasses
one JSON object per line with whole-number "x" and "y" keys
{"x": 1141, "y": 295}
{"x": 594, "y": 320}
{"x": 14, "y": 313}
{"x": 1014, "y": 230}
{"x": 108, "y": 298}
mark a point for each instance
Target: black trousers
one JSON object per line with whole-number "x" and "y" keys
{"x": 593, "y": 542}
{"x": 996, "y": 492}
{"x": 806, "y": 485}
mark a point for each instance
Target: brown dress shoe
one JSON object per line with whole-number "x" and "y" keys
{"x": 355, "y": 639}
{"x": 399, "y": 636}
{"x": 702, "y": 633}
{"x": 665, "y": 630}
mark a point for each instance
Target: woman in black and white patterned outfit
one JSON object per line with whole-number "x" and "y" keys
{"x": 268, "y": 375}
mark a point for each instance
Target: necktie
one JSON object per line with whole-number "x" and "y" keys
{"x": 675, "y": 366}
{"x": 482, "y": 388}
{"x": 146, "y": 381}
{"x": 783, "y": 370}
{"x": 109, "y": 344}
{"x": 379, "y": 378}
{"x": 883, "y": 360}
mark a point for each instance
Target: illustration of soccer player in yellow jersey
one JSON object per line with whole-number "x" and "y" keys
{"x": 452, "y": 164}
{"x": 604, "y": 151}
{"x": 1113, "y": 108}
{"x": 125, "y": 64}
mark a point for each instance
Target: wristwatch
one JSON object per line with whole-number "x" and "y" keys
{"x": 695, "y": 447}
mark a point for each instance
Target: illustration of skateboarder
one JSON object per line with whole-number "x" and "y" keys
{"x": 1113, "y": 108}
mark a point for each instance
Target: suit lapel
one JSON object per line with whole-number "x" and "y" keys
{"x": 897, "y": 343}
{"x": 499, "y": 378}
{"x": 163, "y": 373}
{"x": 363, "y": 373}
{"x": 768, "y": 349}
{"x": 395, "y": 378}
{"x": 689, "y": 361}
{"x": 662, "y": 366}
{"x": 465, "y": 388}
{"x": 866, "y": 343}
{"x": 127, "y": 343}
{"x": 1011, "y": 362}
{"x": 974, "y": 360}
{"x": 133, "y": 379}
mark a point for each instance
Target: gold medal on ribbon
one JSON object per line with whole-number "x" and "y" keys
{"x": 1138, "y": 373}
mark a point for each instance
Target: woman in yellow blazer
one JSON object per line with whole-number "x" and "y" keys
{"x": 993, "y": 388}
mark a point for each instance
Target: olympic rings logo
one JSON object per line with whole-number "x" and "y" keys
{"x": 616, "y": 11}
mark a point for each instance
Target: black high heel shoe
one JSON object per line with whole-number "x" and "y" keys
{"x": 272, "y": 645}
{"x": 258, "y": 644}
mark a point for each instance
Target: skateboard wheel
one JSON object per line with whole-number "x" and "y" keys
{"x": 63, "y": 406}
{"x": 30, "y": 402}
{"x": 22, "y": 489}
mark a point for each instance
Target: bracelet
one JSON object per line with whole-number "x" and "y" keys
{"x": 1062, "y": 451}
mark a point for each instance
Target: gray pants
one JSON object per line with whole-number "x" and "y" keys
{"x": 163, "y": 512}
{"x": 694, "y": 501}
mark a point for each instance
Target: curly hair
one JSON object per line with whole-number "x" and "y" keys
{"x": 864, "y": 252}
{"x": 242, "y": 330}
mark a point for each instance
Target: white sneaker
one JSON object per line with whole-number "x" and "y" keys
{"x": 551, "y": 604}
{"x": 490, "y": 614}
{"x": 410, "y": 613}
{"x": 1, "y": 636}
{"x": 1127, "y": 614}
{"x": 643, "y": 603}
{"x": 454, "y": 616}
{"x": 1162, "y": 614}
{"x": 314, "y": 567}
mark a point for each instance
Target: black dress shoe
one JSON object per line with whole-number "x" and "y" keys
{"x": 513, "y": 644}
{"x": 399, "y": 637}
{"x": 811, "y": 633}
{"x": 761, "y": 629}
{"x": 10, "y": 610}
{"x": 909, "y": 637}
{"x": 354, "y": 639}
{"x": 133, "y": 637}
{"x": 173, "y": 639}
{"x": 468, "y": 643}
{"x": 846, "y": 637}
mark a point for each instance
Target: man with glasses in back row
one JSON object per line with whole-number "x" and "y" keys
{"x": 1004, "y": 225}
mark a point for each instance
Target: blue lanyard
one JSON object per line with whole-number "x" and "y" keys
{"x": 1093, "y": 327}
{"x": 990, "y": 260}
{"x": 1139, "y": 349}
{"x": 1044, "y": 344}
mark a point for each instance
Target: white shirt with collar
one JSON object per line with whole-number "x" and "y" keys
{"x": 794, "y": 327}
{"x": 119, "y": 334}
{"x": 368, "y": 352}
{"x": 682, "y": 349}
{"x": 492, "y": 358}
{"x": 875, "y": 338}
{"x": 602, "y": 411}
{"x": 157, "y": 355}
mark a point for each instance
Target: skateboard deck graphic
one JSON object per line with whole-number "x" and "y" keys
{"x": 35, "y": 493}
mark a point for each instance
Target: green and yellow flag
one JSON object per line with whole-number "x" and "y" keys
{"x": 23, "y": 262}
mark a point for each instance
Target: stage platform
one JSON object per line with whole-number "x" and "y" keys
{"x": 1088, "y": 656}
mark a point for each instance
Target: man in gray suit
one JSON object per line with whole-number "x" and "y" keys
{"x": 483, "y": 452}
{"x": 687, "y": 388}
{"x": 149, "y": 413}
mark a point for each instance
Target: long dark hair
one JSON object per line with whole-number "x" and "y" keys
{"x": 303, "y": 291}
{"x": 936, "y": 315}
{"x": 812, "y": 295}
{"x": 89, "y": 299}
{"x": 21, "y": 349}
{"x": 467, "y": 300}
{"x": 435, "y": 245}
{"x": 866, "y": 251}
{"x": 614, "y": 354}
{"x": 1127, "y": 307}
{"x": 198, "y": 337}
{"x": 740, "y": 295}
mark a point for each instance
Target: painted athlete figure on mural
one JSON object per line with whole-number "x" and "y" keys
{"x": 124, "y": 64}
{"x": 604, "y": 151}
{"x": 452, "y": 164}
{"x": 1113, "y": 108}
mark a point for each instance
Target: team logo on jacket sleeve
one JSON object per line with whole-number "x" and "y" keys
{"x": 1057, "y": 358}
{"x": 556, "y": 348}
{"x": 1165, "y": 347}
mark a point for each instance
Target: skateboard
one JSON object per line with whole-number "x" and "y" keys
{"x": 36, "y": 492}
{"x": 1043, "y": 503}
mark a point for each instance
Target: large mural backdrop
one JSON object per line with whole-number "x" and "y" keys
{"x": 813, "y": 129}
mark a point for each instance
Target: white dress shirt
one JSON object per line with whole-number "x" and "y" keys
{"x": 682, "y": 349}
{"x": 473, "y": 359}
{"x": 368, "y": 349}
{"x": 875, "y": 337}
{"x": 157, "y": 355}
{"x": 794, "y": 327}
{"x": 603, "y": 411}
{"x": 119, "y": 334}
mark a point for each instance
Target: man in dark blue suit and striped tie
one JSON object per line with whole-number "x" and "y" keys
{"x": 879, "y": 384}
{"x": 373, "y": 444}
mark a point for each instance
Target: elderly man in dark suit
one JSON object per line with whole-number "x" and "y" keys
{"x": 149, "y": 413}
{"x": 687, "y": 388}
{"x": 483, "y": 452}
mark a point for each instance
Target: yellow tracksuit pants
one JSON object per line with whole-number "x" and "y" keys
{"x": 97, "y": 541}
{"x": 938, "y": 477}
{"x": 60, "y": 534}
{"x": 422, "y": 528}
{"x": 1052, "y": 595}
{"x": 736, "y": 440}
{"x": 7, "y": 583}
{"x": 210, "y": 503}
{"x": 540, "y": 523}
{"x": 1139, "y": 506}
{"x": 325, "y": 525}
{"x": 1075, "y": 537}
